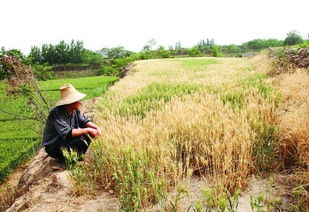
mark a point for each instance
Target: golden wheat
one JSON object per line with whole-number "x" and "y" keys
{"x": 210, "y": 131}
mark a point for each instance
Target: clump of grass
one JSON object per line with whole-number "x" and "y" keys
{"x": 77, "y": 173}
{"x": 300, "y": 197}
{"x": 219, "y": 199}
{"x": 81, "y": 184}
{"x": 174, "y": 204}
{"x": 138, "y": 182}
{"x": 265, "y": 146}
{"x": 263, "y": 202}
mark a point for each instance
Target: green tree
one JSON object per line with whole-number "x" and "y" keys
{"x": 62, "y": 53}
{"x": 15, "y": 53}
{"x": 178, "y": 46}
{"x": 162, "y": 53}
{"x": 149, "y": 45}
{"x": 293, "y": 38}
{"x": 194, "y": 52}
{"x": 116, "y": 52}
{"x": 208, "y": 42}
{"x": 216, "y": 51}
{"x": 206, "y": 46}
{"x": 35, "y": 55}
{"x": 76, "y": 52}
{"x": 232, "y": 48}
{"x": 259, "y": 44}
{"x": 92, "y": 58}
{"x": 256, "y": 44}
{"x": 42, "y": 71}
{"x": 2, "y": 71}
{"x": 274, "y": 43}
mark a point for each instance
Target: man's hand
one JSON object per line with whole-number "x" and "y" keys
{"x": 94, "y": 126}
{"x": 92, "y": 129}
{"x": 93, "y": 132}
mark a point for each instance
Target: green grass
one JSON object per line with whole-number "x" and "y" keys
{"x": 197, "y": 63}
{"x": 12, "y": 152}
{"x": 92, "y": 86}
{"x": 20, "y": 136}
{"x": 12, "y": 106}
{"x": 76, "y": 74}
{"x": 84, "y": 82}
{"x": 153, "y": 97}
{"x": 18, "y": 129}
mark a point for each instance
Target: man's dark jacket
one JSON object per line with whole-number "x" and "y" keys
{"x": 59, "y": 125}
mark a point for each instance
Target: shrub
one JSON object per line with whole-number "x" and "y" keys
{"x": 194, "y": 52}
{"x": 162, "y": 53}
{"x": 114, "y": 67}
{"x": 144, "y": 55}
{"x": 42, "y": 72}
{"x": 110, "y": 70}
{"x": 304, "y": 44}
{"x": 121, "y": 62}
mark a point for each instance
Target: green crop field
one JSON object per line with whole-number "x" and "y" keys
{"x": 92, "y": 86}
{"x": 19, "y": 135}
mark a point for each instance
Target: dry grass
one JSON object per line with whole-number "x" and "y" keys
{"x": 190, "y": 118}
{"x": 262, "y": 63}
{"x": 294, "y": 124}
{"x": 7, "y": 196}
{"x": 293, "y": 121}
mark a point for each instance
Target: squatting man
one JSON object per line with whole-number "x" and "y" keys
{"x": 67, "y": 128}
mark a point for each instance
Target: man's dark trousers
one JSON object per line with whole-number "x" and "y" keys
{"x": 79, "y": 144}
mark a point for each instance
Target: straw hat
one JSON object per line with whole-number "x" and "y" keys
{"x": 69, "y": 95}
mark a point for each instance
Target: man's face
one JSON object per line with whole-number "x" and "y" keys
{"x": 76, "y": 105}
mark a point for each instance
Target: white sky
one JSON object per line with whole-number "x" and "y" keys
{"x": 131, "y": 23}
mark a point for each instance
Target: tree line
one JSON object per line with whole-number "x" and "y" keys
{"x": 110, "y": 60}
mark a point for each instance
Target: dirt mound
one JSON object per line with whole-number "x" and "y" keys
{"x": 45, "y": 186}
{"x": 300, "y": 58}
{"x": 288, "y": 60}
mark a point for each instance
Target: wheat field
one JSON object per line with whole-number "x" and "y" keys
{"x": 174, "y": 118}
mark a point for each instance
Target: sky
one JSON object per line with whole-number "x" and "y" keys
{"x": 132, "y": 23}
